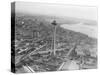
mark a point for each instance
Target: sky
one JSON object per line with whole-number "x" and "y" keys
{"x": 83, "y": 12}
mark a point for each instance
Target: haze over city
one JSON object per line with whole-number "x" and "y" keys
{"x": 62, "y": 10}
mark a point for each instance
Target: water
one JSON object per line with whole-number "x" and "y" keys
{"x": 91, "y": 31}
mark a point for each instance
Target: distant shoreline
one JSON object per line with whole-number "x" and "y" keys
{"x": 91, "y": 31}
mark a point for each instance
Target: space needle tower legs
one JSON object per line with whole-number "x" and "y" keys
{"x": 54, "y": 41}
